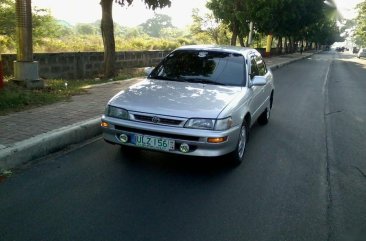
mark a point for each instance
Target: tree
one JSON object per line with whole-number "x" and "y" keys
{"x": 107, "y": 29}
{"x": 324, "y": 32}
{"x": 153, "y": 26}
{"x": 286, "y": 18}
{"x": 360, "y": 31}
{"x": 210, "y": 27}
{"x": 7, "y": 17}
{"x": 44, "y": 24}
{"x": 86, "y": 29}
{"x": 234, "y": 13}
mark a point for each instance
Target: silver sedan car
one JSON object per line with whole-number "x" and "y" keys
{"x": 199, "y": 101}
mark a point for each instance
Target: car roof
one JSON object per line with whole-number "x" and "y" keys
{"x": 221, "y": 48}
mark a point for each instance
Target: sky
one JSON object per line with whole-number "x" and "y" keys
{"x": 87, "y": 11}
{"x": 347, "y": 7}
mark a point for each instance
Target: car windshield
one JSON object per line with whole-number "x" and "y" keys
{"x": 202, "y": 66}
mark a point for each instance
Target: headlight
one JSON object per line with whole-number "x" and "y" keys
{"x": 207, "y": 124}
{"x": 210, "y": 124}
{"x": 116, "y": 112}
{"x": 224, "y": 124}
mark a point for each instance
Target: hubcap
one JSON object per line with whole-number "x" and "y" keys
{"x": 242, "y": 141}
{"x": 268, "y": 113}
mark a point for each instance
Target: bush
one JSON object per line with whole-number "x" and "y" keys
{"x": 7, "y": 44}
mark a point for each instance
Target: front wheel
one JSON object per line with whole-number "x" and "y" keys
{"x": 237, "y": 156}
{"x": 263, "y": 119}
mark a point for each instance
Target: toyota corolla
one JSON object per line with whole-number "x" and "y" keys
{"x": 200, "y": 101}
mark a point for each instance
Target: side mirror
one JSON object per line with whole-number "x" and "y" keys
{"x": 148, "y": 70}
{"x": 259, "y": 81}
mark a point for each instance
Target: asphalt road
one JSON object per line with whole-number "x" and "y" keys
{"x": 304, "y": 177}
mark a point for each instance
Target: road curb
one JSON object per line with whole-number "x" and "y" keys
{"x": 46, "y": 143}
{"x": 277, "y": 66}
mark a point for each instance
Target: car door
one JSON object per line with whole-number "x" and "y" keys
{"x": 261, "y": 94}
{"x": 256, "y": 91}
{"x": 262, "y": 69}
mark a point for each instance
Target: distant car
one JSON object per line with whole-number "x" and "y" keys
{"x": 361, "y": 53}
{"x": 199, "y": 101}
{"x": 355, "y": 50}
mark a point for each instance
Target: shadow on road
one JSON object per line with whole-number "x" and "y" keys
{"x": 154, "y": 160}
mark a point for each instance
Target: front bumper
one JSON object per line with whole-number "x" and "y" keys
{"x": 196, "y": 139}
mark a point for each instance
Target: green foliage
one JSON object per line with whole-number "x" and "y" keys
{"x": 296, "y": 19}
{"x": 149, "y": 44}
{"x": 129, "y": 32}
{"x": 45, "y": 25}
{"x": 14, "y": 97}
{"x": 360, "y": 31}
{"x": 7, "y": 44}
{"x": 284, "y": 17}
{"x": 72, "y": 43}
{"x": 7, "y": 18}
{"x": 87, "y": 29}
{"x": 324, "y": 32}
{"x": 171, "y": 33}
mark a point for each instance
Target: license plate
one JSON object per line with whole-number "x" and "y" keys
{"x": 153, "y": 142}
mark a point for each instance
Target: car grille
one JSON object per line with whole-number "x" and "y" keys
{"x": 157, "y": 120}
{"x": 159, "y": 134}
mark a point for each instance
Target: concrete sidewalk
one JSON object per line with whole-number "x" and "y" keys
{"x": 27, "y": 135}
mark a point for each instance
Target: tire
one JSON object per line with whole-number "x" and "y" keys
{"x": 263, "y": 119}
{"x": 237, "y": 156}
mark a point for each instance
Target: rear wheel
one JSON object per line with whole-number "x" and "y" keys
{"x": 237, "y": 156}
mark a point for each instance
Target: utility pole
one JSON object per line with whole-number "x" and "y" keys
{"x": 25, "y": 69}
{"x": 250, "y": 37}
{"x": 269, "y": 45}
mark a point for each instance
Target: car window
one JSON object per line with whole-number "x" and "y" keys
{"x": 212, "y": 67}
{"x": 253, "y": 67}
{"x": 261, "y": 65}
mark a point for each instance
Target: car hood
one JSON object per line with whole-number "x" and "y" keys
{"x": 172, "y": 98}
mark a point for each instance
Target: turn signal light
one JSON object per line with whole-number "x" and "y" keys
{"x": 216, "y": 139}
{"x": 104, "y": 124}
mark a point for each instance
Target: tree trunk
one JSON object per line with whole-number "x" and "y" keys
{"x": 215, "y": 36}
{"x": 279, "y": 45}
{"x": 286, "y": 45}
{"x": 291, "y": 40}
{"x": 108, "y": 38}
{"x": 234, "y": 36}
{"x": 241, "y": 41}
